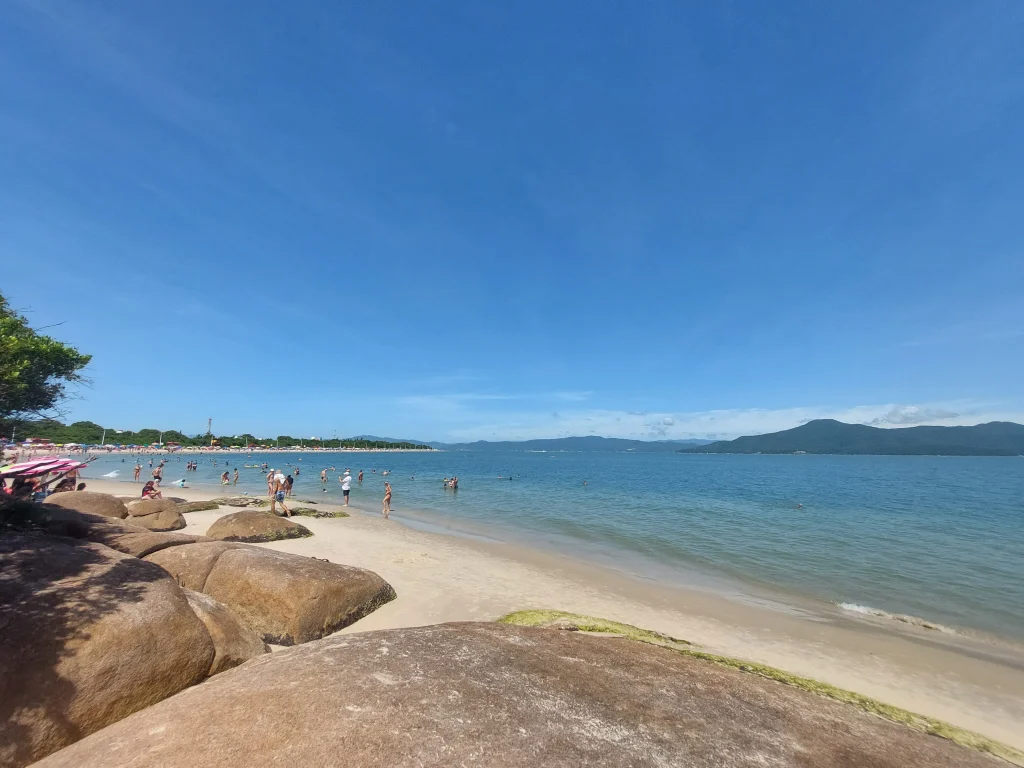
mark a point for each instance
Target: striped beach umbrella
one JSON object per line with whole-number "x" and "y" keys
{"x": 22, "y": 466}
{"x": 59, "y": 467}
{"x": 39, "y": 467}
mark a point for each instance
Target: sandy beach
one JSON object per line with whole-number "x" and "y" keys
{"x": 971, "y": 683}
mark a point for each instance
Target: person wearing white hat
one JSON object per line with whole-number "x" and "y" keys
{"x": 346, "y": 485}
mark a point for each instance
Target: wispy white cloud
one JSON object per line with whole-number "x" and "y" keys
{"x": 454, "y": 400}
{"x": 473, "y": 424}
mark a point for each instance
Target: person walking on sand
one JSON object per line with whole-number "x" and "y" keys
{"x": 346, "y": 486}
{"x": 387, "y": 500}
{"x": 137, "y": 471}
{"x": 288, "y": 482}
{"x": 280, "y": 486}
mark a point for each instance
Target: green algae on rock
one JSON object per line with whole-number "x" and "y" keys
{"x": 198, "y": 506}
{"x": 318, "y": 513}
{"x": 573, "y": 621}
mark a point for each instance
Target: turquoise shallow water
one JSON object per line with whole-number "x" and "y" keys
{"x": 934, "y": 537}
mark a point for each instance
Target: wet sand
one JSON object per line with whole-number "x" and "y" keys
{"x": 969, "y": 682}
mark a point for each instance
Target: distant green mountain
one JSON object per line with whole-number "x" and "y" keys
{"x": 997, "y": 438}
{"x": 589, "y": 443}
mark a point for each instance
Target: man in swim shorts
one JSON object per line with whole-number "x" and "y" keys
{"x": 280, "y": 485}
{"x": 346, "y": 486}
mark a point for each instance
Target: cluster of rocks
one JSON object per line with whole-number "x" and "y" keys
{"x": 153, "y": 514}
{"x": 496, "y": 695}
{"x": 105, "y": 611}
{"x": 106, "y": 627}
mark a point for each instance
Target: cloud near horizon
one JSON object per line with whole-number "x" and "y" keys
{"x": 722, "y": 424}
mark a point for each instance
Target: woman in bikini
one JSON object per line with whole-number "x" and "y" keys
{"x": 387, "y": 500}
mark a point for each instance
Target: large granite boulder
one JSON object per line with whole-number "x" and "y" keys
{"x": 233, "y": 642}
{"x": 121, "y": 535}
{"x": 156, "y": 514}
{"x": 93, "y": 503}
{"x": 495, "y": 695}
{"x": 253, "y": 526}
{"x": 87, "y": 636}
{"x": 286, "y": 598}
{"x": 192, "y": 566}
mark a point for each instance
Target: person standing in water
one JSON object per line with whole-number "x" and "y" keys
{"x": 386, "y": 511}
{"x": 360, "y": 475}
{"x": 323, "y": 475}
{"x": 236, "y": 476}
{"x": 346, "y": 486}
{"x": 137, "y": 471}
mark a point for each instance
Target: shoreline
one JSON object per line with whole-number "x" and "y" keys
{"x": 201, "y": 450}
{"x": 445, "y": 576}
{"x": 704, "y": 577}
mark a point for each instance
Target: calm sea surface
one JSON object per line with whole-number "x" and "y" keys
{"x": 933, "y": 537}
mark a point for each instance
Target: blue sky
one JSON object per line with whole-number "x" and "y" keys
{"x": 505, "y": 220}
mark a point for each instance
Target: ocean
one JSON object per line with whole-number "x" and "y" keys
{"x": 932, "y": 537}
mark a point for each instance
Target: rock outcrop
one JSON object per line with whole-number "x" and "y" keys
{"x": 318, "y": 513}
{"x": 197, "y": 506}
{"x": 121, "y": 535}
{"x": 255, "y": 527}
{"x": 286, "y": 598}
{"x": 242, "y": 501}
{"x": 156, "y": 514}
{"x": 192, "y": 565}
{"x": 233, "y": 642}
{"x": 87, "y": 636}
{"x": 93, "y": 503}
{"x": 495, "y": 695}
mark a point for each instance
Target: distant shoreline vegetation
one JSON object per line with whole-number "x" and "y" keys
{"x": 827, "y": 436}
{"x": 90, "y": 433}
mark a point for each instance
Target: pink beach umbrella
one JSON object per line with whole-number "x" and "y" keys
{"x": 25, "y": 466}
{"x": 59, "y": 466}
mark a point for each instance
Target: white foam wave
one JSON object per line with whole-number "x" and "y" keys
{"x": 115, "y": 473}
{"x": 903, "y": 618}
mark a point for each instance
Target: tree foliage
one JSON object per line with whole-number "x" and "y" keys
{"x": 34, "y": 368}
{"x": 91, "y": 433}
